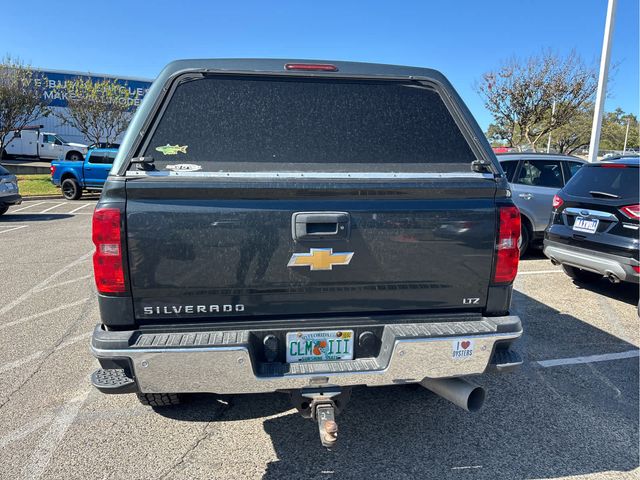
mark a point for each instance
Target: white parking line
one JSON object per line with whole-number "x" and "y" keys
{"x": 42, "y": 314}
{"x": 73, "y": 280}
{"x": 73, "y": 340}
{"x": 28, "y": 206}
{"x": 18, "y": 363}
{"x": 48, "y": 444}
{"x": 80, "y": 208}
{"x": 25, "y": 430}
{"x": 51, "y": 208}
{"x": 11, "y": 229}
{"x": 45, "y": 282}
{"x": 537, "y": 272}
{"x": 34, "y": 356}
{"x": 590, "y": 359}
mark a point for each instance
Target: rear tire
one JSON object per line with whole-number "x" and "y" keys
{"x": 71, "y": 189}
{"x": 74, "y": 156}
{"x": 159, "y": 399}
{"x": 580, "y": 275}
{"x": 3, "y": 209}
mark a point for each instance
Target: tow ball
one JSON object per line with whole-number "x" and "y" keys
{"x": 322, "y": 405}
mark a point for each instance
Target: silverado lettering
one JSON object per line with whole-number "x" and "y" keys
{"x": 175, "y": 309}
{"x": 338, "y": 214}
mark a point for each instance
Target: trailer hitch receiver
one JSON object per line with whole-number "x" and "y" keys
{"x": 327, "y": 426}
{"x": 322, "y": 405}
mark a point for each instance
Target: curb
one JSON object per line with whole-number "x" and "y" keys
{"x": 57, "y": 197}
{"x": 42, "y": 197}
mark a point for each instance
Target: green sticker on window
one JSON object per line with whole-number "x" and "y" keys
{"x": 172, "y": 149}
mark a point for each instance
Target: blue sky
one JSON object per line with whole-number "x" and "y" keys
{"x": 461, "y": 38}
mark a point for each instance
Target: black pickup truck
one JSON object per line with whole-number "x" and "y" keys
{"x": 303, "y": 227}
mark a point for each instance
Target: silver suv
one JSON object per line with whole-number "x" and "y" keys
{"x": 8, "y": 190}
{"x": 535, "y": 178}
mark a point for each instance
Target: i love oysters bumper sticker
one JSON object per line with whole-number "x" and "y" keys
{"x": 462, "y": 348}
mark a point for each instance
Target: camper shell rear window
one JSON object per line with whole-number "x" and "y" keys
{"x": 249, "y": 123}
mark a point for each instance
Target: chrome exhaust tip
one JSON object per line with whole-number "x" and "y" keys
{"x": 613, "y": 278}
{"x": 458, "y": 391}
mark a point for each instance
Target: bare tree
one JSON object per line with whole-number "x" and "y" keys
{"x": 520, "y": 94}
{"x": 574, "y": 134}
{"x": 99, "y": 109}
{"x": 21, "y": 98}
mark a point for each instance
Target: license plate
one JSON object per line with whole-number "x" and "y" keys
{"x": 319, "y": 346}
{"x": 587, "y": 225}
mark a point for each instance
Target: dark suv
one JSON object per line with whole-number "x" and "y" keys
{"x": 594, "y": 225}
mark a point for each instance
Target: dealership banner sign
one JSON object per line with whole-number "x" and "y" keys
{"x": 54, "y": 90}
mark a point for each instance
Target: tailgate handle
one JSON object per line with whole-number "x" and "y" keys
{"x": 320, "y": 225}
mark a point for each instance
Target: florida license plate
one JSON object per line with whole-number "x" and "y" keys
{"x": 319, "y": 346}
{"x": 588, "y": 225}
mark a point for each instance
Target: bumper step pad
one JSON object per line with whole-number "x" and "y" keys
{"x": 113, "y": 380}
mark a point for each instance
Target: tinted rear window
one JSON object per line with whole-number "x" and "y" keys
{"x": 223, "y": 124}
{"x": 617, "y": 181}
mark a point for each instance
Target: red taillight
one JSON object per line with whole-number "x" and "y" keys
{"x": 107, "y": 260}
{"x": 52, "y": 169}
{"x": 507, "y": 251}
{"x": 636, "y": 269}
{"x": 311, "y": 67}
{"x": 631, "y": 211}
{"x": 557, "y": 201}
{"x": 613, "y": 165}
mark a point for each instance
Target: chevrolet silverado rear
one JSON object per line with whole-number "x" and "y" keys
{"x": 303, "y": 227}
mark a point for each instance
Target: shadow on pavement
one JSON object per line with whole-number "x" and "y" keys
{"x": 533, "y": 253}
{"x": 32, "y": 217}
{"x": 624, "y": 291}
{"x": 537, "y": 422}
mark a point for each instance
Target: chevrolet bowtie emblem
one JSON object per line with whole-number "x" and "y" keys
{"x": 320, "y": 259}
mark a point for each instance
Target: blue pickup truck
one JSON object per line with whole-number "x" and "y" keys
{"x": 74, "y": 177}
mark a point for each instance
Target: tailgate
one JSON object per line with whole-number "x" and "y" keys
{"x": 210, "y": 248}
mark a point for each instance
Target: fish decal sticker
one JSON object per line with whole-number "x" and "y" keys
{"x": 172, "y": 149}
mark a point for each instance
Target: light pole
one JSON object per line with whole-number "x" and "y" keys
{"x": 553, "y": 112}
{"x": 601, "y": 93}
{"x": 626, "y": 136}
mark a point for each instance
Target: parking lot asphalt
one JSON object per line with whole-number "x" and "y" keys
{"x": 571, "y": 411}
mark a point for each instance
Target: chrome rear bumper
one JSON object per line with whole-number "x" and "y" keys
{"x": 224, "y": 362}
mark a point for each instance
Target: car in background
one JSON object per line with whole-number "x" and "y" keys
{"x": 535, "y": 178}
{"x": 90, "y": 174}
{"x": 9, "y": 194}
{"x": 594, "y": 226}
